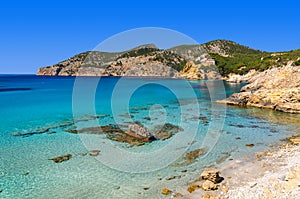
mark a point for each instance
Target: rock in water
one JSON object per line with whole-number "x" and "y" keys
{"x": 166, "y": 191}
{"x": 211, "y": 174}
{"x": 140, "y": 132}
{"x": 60, "y": 159}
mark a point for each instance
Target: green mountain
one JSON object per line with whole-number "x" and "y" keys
{"x": 188, "y": 61}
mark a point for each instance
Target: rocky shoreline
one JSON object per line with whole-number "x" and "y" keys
{"x": 276, "y": 88}
{"x": 274, "y": 173}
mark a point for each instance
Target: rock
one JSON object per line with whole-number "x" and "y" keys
{"x": 166, "y": 191}
{"x": 210, "y": 196}
{"x": 94, "y": 152}
{"x": 163, "y": 135}
{"x": 125, "y": 138}
{"x": 211, "y": 174}
{"x": 117, "y": 187}
{"x": 26, "y": 173}
{"x": 276, "y": 88}
{"x": 190, "y": 157}
{"x": 184, "y": 170}
{"x": 236, "y": 78}
{"x": 168, "y": 127}
{"x": 146, "y": 188}
{"x": 193, "y": 187}
{"x": 294, "y": 140}
{"x": 177, "y": 195}
{"x": 249, "y": 145}
{"x": 60, "y": 159}
{"x": 209, "y": 186}
{"x": 139, "y": 130}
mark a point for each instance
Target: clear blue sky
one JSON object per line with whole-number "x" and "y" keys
{"x": 40, "y": 33}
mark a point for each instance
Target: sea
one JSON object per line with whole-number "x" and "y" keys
{"x": 40, "y": 114}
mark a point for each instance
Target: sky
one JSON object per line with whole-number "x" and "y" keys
{"x": 41, "y": 33}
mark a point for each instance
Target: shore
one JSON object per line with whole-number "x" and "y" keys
{"x": 274, "y": 173}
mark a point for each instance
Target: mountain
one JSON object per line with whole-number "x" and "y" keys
{"x": 203, "y": 61}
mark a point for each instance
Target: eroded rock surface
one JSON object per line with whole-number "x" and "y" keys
{"x": 276, "y": 88}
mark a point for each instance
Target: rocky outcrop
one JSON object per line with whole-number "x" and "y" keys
{"x": 236, "y": 78}
{"x": 200, "y": 71}
{"x": 276, "y": 88}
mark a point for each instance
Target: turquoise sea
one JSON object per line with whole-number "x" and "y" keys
{"x": 37, "y": 114}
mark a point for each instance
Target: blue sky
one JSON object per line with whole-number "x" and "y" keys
{"x": 40, "y": 33}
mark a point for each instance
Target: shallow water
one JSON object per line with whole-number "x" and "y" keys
{"x": 29, "y": 104}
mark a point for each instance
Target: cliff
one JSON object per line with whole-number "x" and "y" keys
{"x": 213, "y": 60}
{"x": 276, "y": 88}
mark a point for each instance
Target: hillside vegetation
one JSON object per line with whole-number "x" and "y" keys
{"x": 191, "y": 61}
{"x": 235, "y": 58}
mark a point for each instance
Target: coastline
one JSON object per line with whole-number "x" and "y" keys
{"x": 272, "y": 173}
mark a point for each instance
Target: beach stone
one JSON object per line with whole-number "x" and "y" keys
{"x": 209, "y": 186}
{"x": 294, "y": 140}
{"x": 249, "y": 145}
{"x": 166, "y": 191}
{"x": 210, "y": 196}
{"x": 177, "y": 195}
{"x": 60, "y": 159}
{"x": 193, "y": 187}
{"x": 211, "y": 174}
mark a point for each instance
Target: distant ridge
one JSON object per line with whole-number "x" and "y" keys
{"x": 202, "y": 61}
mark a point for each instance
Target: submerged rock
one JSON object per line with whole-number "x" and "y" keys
{"x": 125, "y": 138}
{"x": 166, "y": 191}
{"x": 94, "y": 152}
{"x": 193, "y": 187}
{"x": 190, "y": 157}
{"x": 60, "y": 159}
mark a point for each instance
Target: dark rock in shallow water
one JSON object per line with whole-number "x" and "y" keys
{"x": 163, "y": 135}
{"x": 168, "y": 127}
{"x": 96, "y": 130}
{"x": 190, "y": 157}
{"x": 94, "y": 152}
{"x": 60, "y": 159}
{"x": 125, "y": 138}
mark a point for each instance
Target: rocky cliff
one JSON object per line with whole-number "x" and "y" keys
{"x": 276, "y": 88}
{"x": 186, "y": 61}
{"x": 213, "y": 60}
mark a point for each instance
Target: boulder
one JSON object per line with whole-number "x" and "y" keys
{"x": 211, "y": 174}
{"x": 138, "y": 131}
{"x": 209, "y": 186}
